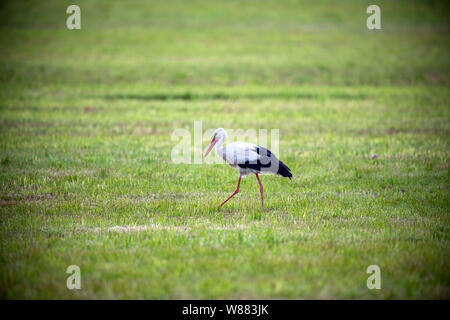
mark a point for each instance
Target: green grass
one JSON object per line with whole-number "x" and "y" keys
{"x": 86, "y": 176}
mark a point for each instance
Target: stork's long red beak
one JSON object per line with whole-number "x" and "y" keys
{"x": 213, "y": 142}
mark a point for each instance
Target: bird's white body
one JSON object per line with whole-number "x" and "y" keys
{"x": 237, "y": 153}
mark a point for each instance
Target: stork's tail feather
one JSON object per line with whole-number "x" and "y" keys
{"x": 284, "y": 171}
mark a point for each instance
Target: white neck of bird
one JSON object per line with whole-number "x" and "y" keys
{"x": 219, "y": 144}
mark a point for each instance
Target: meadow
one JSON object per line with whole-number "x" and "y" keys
{"x": 86, "y": 176}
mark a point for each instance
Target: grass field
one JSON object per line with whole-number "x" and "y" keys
{"x": 86, "y": 176}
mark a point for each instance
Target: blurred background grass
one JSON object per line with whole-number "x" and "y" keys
{"x": 234, "y": 43}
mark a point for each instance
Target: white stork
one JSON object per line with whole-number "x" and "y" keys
{"x": 247, "y": 158}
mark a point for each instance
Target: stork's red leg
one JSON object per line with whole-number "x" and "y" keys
{"x": 261, "y": 191}
{"x": 235, "y": 191}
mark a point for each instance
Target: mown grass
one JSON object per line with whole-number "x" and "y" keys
{"x": 86, "y": 176}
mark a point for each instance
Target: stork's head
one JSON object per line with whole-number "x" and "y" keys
{"x": 219, "y": 135}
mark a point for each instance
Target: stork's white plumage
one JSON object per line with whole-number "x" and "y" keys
{"x": 247, "y": 158}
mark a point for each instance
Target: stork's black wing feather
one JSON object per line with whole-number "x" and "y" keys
{"x": 267, "y": 162}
